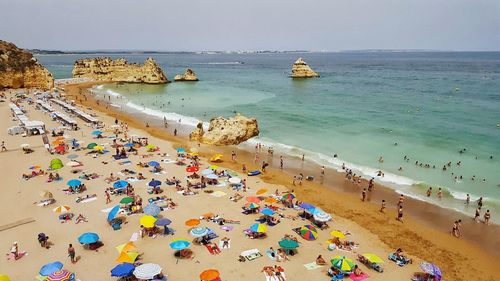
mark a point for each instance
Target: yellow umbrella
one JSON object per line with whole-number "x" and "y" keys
{"x": 261, "y": 191}
{"x": 216, "y": 157}
{"x": 126, "y": 247}
{"x": 337, "y": 234}
{"x": 98, "y": 148}
{"x": 147, "y": 221}
{"x": 270, "y": 200}
{"x": 4, "y": 277}
{"x": 373, "y": 258}
{"x": 61, "y": 209}
{"x": 46, "y": 194}
{"x": 129, "y": 257}
{"x": 193, "y": 154}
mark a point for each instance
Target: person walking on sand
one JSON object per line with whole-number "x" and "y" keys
{"x": 382, "y": 206}
{"x": 71, "y": 253}
{"x": 487, "y": 217}
{"x": 455, "y": 229}
{"x": 108, "y": 198}
{"x": 3, "y": 146}
{"x": 322, "y": 171}
{"x": 363, "y": 195}
{"x": 233, "y": 156}
{"x": 400, "y": 202}
{"x": 478, "y": 214}
{"x": 400, "y": 214}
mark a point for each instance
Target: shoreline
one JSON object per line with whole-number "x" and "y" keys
{"x": 423, "y": 234}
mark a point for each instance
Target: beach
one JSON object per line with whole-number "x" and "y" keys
{"x": 376, "y": 233}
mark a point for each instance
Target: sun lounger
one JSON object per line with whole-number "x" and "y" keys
{"x": 252, "y": 254}
{"x": 269, "y": 254}
{"x": 212, "y": 251}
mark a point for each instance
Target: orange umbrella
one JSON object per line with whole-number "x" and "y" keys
{"x": 261, "y": 191}
{"x": 207, "y": 215}
{"x": 129, "y": 257}
{"x": 57, "y": 142}
{"x": 209, "y": 275}
{"x": 270, "y": 200}
{"x": 192, "y": 222}
{"x": 253, "y": 199}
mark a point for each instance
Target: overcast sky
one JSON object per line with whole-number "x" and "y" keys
{"x": 192, "y": 25}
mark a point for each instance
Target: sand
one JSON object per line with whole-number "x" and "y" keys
{"x": 376, "y": 233}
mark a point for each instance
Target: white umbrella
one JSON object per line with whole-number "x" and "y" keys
{"x": 25, "y": 145}
{"x": 147, "y": 271}
{"x": 234, "y": 180}
{"x": 322, "y": 216}
{"x": 207, "y": 172}
{"x": 212, "y": 177}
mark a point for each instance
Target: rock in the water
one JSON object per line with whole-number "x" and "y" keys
{"x": 300, "y": 69}
{"x": 189, "y": 75}
{"x": 119, "y": 70}
{"x": 226, "y": 131}
{"x": 19, "y": 69}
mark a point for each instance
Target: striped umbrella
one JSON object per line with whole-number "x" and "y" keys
{"x": 288, "y": 196}
{"x": 152, "y": 209}
{"x": 308, "y": 232}
{"x": 322, "y": 217}
{"x": 147, "y": 271}
{"x": 432, "y": 269}
{"x": 258, "y": 227}
{"x": 251, "y": 206}
{"x": 199, "y": 231}
{"x": 61, "y": 209}
{"x": 50, "y": 268}
{"x": 60, "y": 275}
{"x": 253, "y": 199}
{"x": 373, "y": 258}
{"x": 179, "y": 244}
{"x": 342, "y": 263}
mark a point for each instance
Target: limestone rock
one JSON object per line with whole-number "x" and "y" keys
{"x": 189, "y": 75}
{"x": 226, "y": 131}
{"x": 119, "y": 70}
{"x": 300, "y": 69}
{"x": 19, "y": 69}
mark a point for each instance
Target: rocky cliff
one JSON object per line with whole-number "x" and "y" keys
{"x": 226, "y": 131}
{"x": 300, "y": 69}
{"x": 119, "y": 70}
{"x": 19, "y": 69}
{"x": 189, "y": 75}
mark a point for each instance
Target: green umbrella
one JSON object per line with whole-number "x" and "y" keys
{"x": 342, "y": 263}
{"x": 56, "y": 164}
{"x": 127, "y": 200}
{"x": 288, "y": 244}
{"x": 91, "y": 145}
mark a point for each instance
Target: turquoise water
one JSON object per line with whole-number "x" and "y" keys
{"x": 430, "y": 104}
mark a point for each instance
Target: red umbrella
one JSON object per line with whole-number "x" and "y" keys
{"x": 192, "y": 169}
{"x": 253, "y": 199}
{"x": 60, "y": 148}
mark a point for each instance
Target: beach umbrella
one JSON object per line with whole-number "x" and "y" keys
{"x": 60, "y": 275}
{"x": 120, "y": 184}
{"x": 96, "y": 133}
{"x": 337, "y": 234}
{"x": 261, "y": 191}
{"x": 192, "y": 222}
{"x": 199, "y": 231}
{"x": 50, "y": 268}
{"x": 216, "y": 157}
{"x": 212, "y": 176}
{"x": 322, "y": 217}
{"x": 129, "y": 144}
{"x": 180, "y": 150}
{"x": 61, "y": 209}
{"x": 431, "y": 269}
{"x": 56, "y": 164}
{"x": 126, "y": 200}
{"x": 126, "y": 247}
{"x": 98, "y": 148}
{"x": 112, "y": 214}
{"x": 147, "y": 271}
{"x": 154, "y": 183}
{"x": 206, "y": 172}
{"x": 251, "y": 205}
{"x": 270, "y": 200}
{"x": 234, "y": 180}
{"x": 213, "y": 167}
{"x": 192, "y": 169}
{"x": 163, "y": 222}
{"x": 147, "y": 221}
{"x": 288, "y": 244}
{"x": 373, "y": 258}
{"x": 150, "y": 146}
{"x": 4, "y": 278}
{"x": 308, "y": 232}
{"x": 46, "y": 194}
{"x": 60, "y": 148}
{"x": 306, "y": 206}
{"x": 129, "y": 257}
{"x": 152, "y": 209}
{"x": 91, "y": 145}
{"x": 342, "y": 263}
{"x": 57, "y": 142}
{"x": 122, "y": 270}
{"x": 88, "y": 238}
{"x": 253, "y": 199}
{"x": 288, "y": 196}
{"x": 74, "y": 183}
{"x": 267, "y": 212}
{"x": 209, "y": 275}
{"x": 179, "y": 244}
{"x": 153, "y": 163}
{"x": 258, "y": 227}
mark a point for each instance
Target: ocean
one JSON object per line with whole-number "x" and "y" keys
{"x": 427, "y": 106}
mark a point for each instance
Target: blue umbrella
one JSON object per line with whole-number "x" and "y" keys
{"x": 179, "y": 244}
{"x": 74, "y": 182}
{"x": 163, "y": 222}
{"x": 181, "y": 150}
{"x": 305, "y": 205}
{"x": 267, "y": 212}
{"x": 153, "y": 163}
{"x": 120, "y": 184}
{"x": 129, "y": 144}
{"x": 96, "y": 133}
{"x": 50, "y": 268}
{"x": 112, "y": 214}
{"x": 431, "y": 269}
{"x": 122, "y": 270}
{"x": 152, "y": 210}
{"x": 88, "y": 238}
{"x": 154, "y": 183}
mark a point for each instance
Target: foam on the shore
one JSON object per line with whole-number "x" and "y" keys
{"x": 170, "y": 116}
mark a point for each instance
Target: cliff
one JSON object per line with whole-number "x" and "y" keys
{"x": 189, "y": 75}
{"x": 19, "y": 69}
{"x": 226, "y": 131}
{"x": 119, "y": 70}
{"x": 300, "y": 69}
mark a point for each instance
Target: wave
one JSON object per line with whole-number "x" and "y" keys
{"x": 170, "y": 116}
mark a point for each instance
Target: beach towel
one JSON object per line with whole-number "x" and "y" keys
{"x": 127, "y": 162}
{"x": 219, "y": 193}
{"x": 133, "y": 179}
{"x": 221, "y": 244}
{"x": 363, "y": 276}
{"x": 274, "y": 278}
{"x": 212, "y": 251}
{"x": 10, "y": 256}
{"x": 312, "y": 266}
{"x": 269, "y": 254}
{"x": 134, "y": 237}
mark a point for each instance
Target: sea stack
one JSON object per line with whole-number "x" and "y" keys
{"x": 19, "y": 69}
{"x": 189, "y": 75}
{"x": 226, "y": 131}
{"x": 300, "y": 69}
{"x": 119, "y": 70}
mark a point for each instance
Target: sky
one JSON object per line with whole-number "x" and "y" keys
{"x": 251, "y": 25}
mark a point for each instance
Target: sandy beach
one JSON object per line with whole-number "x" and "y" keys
{"x": 375, "y": 233}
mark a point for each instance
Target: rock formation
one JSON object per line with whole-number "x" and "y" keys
{"x": 226, "y": 131}
{"x": 119, "y": 70}
{"x": 19, "y": 69}
{"x": 300, "y": 69}
{"x": 189, "y": 75}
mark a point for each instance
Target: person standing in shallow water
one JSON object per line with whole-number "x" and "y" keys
{"x": 382, "y": 206}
